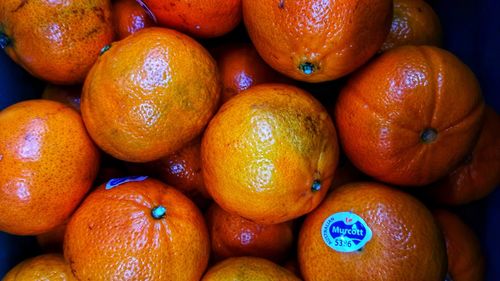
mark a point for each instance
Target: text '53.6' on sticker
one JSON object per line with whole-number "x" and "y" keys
{"x": 345, "y": 232}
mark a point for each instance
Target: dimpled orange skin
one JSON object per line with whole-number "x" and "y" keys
{"x": 406, "y": 243}
{"x": 57, "y": 41}
{"x": 234, "y": 236}
{"x": 200, "y": 18}
{"x": 465, "y": 260}
{"x": 150, "y": 94}
{"x": 414, "y": 22}
{"x": 248, "y": 269}
{"x": 389, "y": 111}
{"x": 51, "y": 267}
{"x": 479, "y": 174}
{"x": 114, "y": 236}
{"x": 47, "y": 164}
{"x": 240, "y": 68}
{"x": 266, "y": 151}
{"x": 331, "y": 37}
{"x": 68, "y": 95}
{"x": 129, "y": 17}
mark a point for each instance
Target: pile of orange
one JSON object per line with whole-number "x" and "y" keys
{"x": 248, "y": 178}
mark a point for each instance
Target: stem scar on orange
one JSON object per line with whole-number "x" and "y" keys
{"x": 269, "y": 154}
{"x": 410, "y": 116}
{"x": 317, "y": 40}
{"x": 57, "y": 41}
{"x": 150, "y": 94}
{"x": 137, "y": 230}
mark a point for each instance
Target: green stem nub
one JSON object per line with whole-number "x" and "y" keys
{"x": 104, "y": 49}
{"x": 307, "y": 68}
{"x": 158, "y": 212}
{"x": 4, "y": 40}
{"x": 428, "y": 135}
{"x": 316, "y": 186}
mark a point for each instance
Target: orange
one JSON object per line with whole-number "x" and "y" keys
{"x": 269, "y": 155}
{"x": 317, "y": 40}
{"x": 201, "y": 18}
{"x": 57, "y": 41}
{"x": 52, "y": 241}
{"x": 234, "y": 236}
{"x": 414, "y": 22}
{"x": 68, "y": 95}
{"x": 248, "y": 269}
{"x": 129, "y": 17}
{"x": 50, "y": 267}
{"x": 479, "y": 174}
{"x": 405, "y": 242}
{"x": 410, "y": 116}
{"x": 150, "y": 94}
{"x": 47, "y": 165}
{"x": 182, "y": 170}
{"x": 137, "y": 229}
{"x": 465, "y": 260}
{"x": 241, "y": 67}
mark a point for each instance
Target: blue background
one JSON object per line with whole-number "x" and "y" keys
{"x": 471, "y": 31}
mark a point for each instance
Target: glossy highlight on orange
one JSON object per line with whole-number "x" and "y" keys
{"x": 140, "y": 230}
{"x": 269, "y": 154}
{"x": 129, "y": 17}
{"x": 47, "y": 164}
{"x": 150, "y": 94}
{"x": 317, "y": 40}
{"x": 57, "y": 41}
{"x": 410, "y": 116}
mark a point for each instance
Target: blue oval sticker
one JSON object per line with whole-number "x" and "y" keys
{"x": 345, "y": 232}
{"x": 118, "y": 181}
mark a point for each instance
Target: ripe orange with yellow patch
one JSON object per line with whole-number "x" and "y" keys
{"x": 248, "y": 269}
{"x": 150, "y": 94}
{"x": 51, "y": 267}
{"x": 269, "y": 154}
